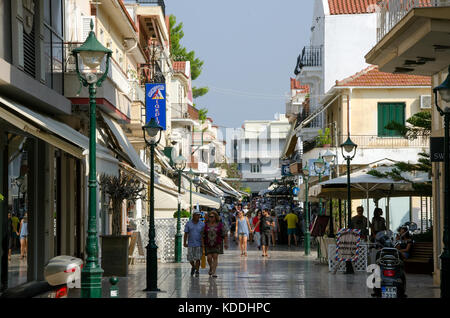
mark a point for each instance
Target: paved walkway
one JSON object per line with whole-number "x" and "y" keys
{"x": 287, "y": 274}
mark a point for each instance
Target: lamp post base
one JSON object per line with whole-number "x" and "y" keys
{"x": 91, "y": 282}
{"x": 307, "y": 243}
{"x": 349, "y": 268}
{"x": 178, "y": 247}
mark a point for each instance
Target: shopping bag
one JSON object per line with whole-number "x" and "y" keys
{"x": 203, "y": 261}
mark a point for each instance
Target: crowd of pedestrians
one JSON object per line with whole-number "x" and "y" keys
{"x": 206, "y": 235}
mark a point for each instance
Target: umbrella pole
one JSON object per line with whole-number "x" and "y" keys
{"x": 368, "y": 215}
{"x": 388, "y": 219}
{"x": 340, "y": 214}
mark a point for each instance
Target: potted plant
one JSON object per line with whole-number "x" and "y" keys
{"x": 183, "y": 214}
{"x": 324, "y": 138}
{"x": 125, "y": 187}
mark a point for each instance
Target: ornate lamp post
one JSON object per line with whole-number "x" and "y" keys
{"x": 329, "y": 157}
{"x": 152, "y": 129}
{"x": 180, "y": 164}
{"x": 444, "y": 91}
{"x": 319, "y": 168}
{"x": 191, "y": 177}
{"x": 348, "y": 146}
{"x": 305, "y": 171}
{"x": 92, "y": 53}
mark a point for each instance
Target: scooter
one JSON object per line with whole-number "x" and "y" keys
{"x": 392, "y": 274}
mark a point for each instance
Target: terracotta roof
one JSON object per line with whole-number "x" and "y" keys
{"x": 352, "y": 6}
{"x": 296, "y": 85}
{"x": 371, "y": 76}
{"x": 193, "y": 113}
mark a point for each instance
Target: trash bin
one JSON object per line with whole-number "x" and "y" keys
{"x": 62, "y": 270}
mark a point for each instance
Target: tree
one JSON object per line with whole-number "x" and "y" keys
{"x": 419, "y": 125}
{"x": 232, "y": 172}
{"x": 202, "y": 114}
{"x": 124, "y": 187}
{"x": 180, "y": 53}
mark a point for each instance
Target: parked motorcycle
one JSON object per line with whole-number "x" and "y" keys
{"x": 392, "y": 275}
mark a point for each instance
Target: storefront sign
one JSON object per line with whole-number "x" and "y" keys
{"x": 437, "y": 149}
{"x": 348, "y": 245}
{"x": 155, "y": 103}
{"x": 313, "y": 173}
{"x": 285, "y": 171}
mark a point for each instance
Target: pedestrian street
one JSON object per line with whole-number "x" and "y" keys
{"x": 288, "y": 273}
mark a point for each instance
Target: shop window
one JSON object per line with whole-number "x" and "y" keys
{"x": 53, "y": 45}
{"x": 255, "y": 168}
{"x": 18, "y": 211}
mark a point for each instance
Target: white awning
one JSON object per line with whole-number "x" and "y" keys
{"x": 202, "y": 200}
{"x": 125, "y": 144}
{"x": 57, "y": 134}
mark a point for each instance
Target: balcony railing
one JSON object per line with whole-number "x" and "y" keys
{"x": 311, "y": 56}
{"x": 390, "y": 12}
{"x": 374, "y": 141}
{"x": 150, "y": 2}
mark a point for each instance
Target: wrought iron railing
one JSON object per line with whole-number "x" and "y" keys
{"x": 374, "y": 141}
{"x": 311, "y": 56}
{"x": 390, "y": 12}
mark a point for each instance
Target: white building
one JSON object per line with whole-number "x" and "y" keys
{"x": 336, "y": 49}
{"x": 257, "y": 149}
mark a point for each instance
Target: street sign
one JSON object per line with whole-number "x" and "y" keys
{"x": 437, "y": 149}
{"x": 295, "y": 191}
{"x": 348, "y": 245}
{"x": 155, "y": 103}
{"x": 313, "y": 173}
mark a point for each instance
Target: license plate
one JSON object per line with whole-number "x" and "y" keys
{"x": 389, "y": 292}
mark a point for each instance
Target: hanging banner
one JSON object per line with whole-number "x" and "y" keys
{"x": 313, "y": 172}
{"x": 155, "y": 103}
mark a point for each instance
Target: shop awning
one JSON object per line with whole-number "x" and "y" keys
{"x": 202, "y": 200}
{"x": 125, "y": 144}
{"x": 291, "y": 142}
{"x": 56, "y": 133}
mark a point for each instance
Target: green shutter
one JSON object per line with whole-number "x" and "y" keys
{"x": 388, "y": 112}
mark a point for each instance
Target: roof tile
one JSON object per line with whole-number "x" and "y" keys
{"x": 371, "y": 76}
{"x": 352, "y": 6}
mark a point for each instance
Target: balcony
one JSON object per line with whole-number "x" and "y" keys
{"x": 159, "y": 3}
{"x": 114, "y": 96}
{"x": 371, "y": 148}
{"x": 410, "y": 37}
{"x": 311, "y": 56}
{"x": 392, "y": 11}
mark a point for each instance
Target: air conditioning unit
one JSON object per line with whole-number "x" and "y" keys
{"x": 425, "y": 101}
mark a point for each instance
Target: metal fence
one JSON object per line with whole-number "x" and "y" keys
{"x": 390, "y": 12}
{"x": 374, "y": 141}
{"x": 165, "y": 237}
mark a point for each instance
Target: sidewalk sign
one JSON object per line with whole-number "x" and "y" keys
{"x": 348, "y": 246}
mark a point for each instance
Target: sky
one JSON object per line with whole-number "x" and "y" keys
{"x": 249, "y": 49}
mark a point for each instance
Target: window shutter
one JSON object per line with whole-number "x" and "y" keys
{"x": 86, "y": 26}
{"x": 388, "y": 112}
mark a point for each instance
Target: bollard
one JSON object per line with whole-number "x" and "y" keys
{"x": 114, "y": 291}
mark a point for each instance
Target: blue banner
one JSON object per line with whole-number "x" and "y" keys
{"x": 155, "y": 103}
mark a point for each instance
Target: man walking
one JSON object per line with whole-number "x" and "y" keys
{"x": 266, "y": 225}
{"x": 193, "y": 242}
{"x": 292, "y": 220}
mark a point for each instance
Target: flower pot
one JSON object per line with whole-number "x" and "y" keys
{"x": 115, "y": 255}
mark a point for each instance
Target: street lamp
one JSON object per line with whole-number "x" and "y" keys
{"x": 180, "y": 164}
{"x": 305, "y": 171}
{"x": 329, "y": 157}
{"x": 347, "y": 148}
{"x": 92, "y": 53}
{"x": 319, "y": 168}
{"x": 444, "y": 91}
{"x": 152, "y": 129}
{"x": 191, "y": 177}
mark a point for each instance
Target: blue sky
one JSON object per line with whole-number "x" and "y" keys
{"x": 249, "y": 47}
